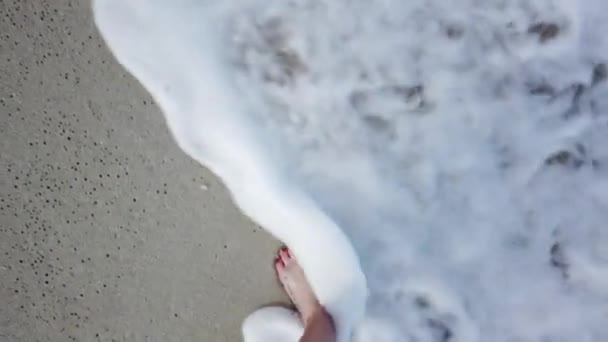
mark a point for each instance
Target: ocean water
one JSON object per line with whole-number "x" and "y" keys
{"x": 439, "y": 168}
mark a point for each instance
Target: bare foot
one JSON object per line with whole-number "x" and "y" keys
{"x": 296, "y": 285}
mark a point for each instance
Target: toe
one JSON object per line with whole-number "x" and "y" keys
{"x": 279, "y": 265}
{"x": 284, "y": 255}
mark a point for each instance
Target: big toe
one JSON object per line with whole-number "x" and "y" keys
{"x": 279, "y": 266}
{"x": 284, "y": 255}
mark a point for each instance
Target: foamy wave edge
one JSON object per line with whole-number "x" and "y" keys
{"x": 171, "y": 48}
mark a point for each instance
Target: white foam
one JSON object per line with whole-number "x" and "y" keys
{"x": 460, "y": 146}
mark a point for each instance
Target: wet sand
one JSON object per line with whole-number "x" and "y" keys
{"x": 108, "y": 231}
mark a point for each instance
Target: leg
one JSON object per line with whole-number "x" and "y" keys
{"x": 317, "y": 321}
{"x": 319, "y": 328}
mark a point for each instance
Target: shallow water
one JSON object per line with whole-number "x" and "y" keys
{"x": 446, "y": 161}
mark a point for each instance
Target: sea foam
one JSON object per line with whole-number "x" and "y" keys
{"x": 438, "y": 168}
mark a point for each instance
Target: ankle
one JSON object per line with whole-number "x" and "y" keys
{"x": 318, "y": 316}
